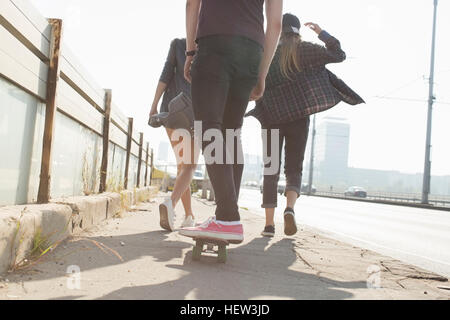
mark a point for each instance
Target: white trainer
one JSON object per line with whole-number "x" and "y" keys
{"x": 188, "y": 222}
{"x": 167, "y": 215}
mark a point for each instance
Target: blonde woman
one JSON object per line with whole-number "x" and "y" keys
{"x": 298, "y": 85}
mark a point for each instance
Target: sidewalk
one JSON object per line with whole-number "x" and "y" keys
{"x": 132, "y": 258}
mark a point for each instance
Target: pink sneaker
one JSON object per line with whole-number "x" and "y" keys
{"x": 232, "y": 232}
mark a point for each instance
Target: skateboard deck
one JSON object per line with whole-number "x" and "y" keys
{"x": 208, "y": 245}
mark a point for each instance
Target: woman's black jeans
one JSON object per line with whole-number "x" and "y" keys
{"x": 224, "y": 72}
{"x": 295, "y": 136}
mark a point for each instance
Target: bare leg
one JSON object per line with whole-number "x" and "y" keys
{"x": 270, "y": 213}
{"x": 185, "y": 173}
{"x": 182, "y": 189}
{"x": 186, "y": 200}
{"x": 291, "y": 197}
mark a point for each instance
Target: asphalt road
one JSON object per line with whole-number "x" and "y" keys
{"x": 417, "y": 236}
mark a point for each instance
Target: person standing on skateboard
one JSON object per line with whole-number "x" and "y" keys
{"x": 228, "y": 58}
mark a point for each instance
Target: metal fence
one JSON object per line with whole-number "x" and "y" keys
{"x": 77, "y": 140}
{"x": 394, "y": 198}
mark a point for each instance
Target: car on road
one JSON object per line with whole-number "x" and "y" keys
{"x": 357, "y": 192}
{"x": 251, "y": 184}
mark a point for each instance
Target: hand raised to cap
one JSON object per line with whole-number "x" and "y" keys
{"x": 314, "y": 27}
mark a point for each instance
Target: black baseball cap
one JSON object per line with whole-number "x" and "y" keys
{"x": 291, "y": 24}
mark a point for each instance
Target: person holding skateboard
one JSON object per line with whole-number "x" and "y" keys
{"x": 298, "y": 85}
{"x": 228, "y": 58}
{"x": 171, "y": 84}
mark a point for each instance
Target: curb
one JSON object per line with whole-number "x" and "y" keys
{"x": 30, "y": 230}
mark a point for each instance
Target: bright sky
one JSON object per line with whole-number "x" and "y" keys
{"x": 124, "y": 45}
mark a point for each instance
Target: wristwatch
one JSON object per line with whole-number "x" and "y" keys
{"x": 191, "y": 53}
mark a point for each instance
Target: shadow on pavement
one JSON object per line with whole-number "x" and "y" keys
{"x": 259, "y": 269}
{"x": 262, "y": 268}
{"x": 97, "y": 252}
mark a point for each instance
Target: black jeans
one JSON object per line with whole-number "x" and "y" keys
{"x": 295, "y": 136}
{"x": 224, "y": 72}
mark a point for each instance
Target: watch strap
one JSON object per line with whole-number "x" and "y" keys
{"x": 191, "y": 53}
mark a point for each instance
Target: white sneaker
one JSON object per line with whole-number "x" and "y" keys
{"x": 166, "y": 215}
{"x": 188, "y": 222}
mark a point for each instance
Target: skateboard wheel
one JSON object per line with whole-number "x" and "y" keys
{"x": 197, "y": 253}
{"x": 222, "y": 254}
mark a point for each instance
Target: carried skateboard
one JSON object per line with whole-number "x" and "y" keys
{"x": 211, "y": 246}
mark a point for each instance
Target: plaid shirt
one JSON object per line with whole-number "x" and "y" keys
{"x": 314, "y": 89}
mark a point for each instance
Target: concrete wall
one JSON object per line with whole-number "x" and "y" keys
{"x": 22, "y": 226}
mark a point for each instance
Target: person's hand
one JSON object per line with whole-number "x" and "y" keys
{"x": 258, "y": 91}
{"x": 153, "y": 111}
{"x": 187, "y": 68}
{"x": 314, "y": 27}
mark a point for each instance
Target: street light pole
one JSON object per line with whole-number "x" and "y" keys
{"x": 311, "y": 160}
{"x": 427, "y": 168}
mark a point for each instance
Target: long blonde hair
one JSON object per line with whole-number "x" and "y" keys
{"x": 289, "y": 62}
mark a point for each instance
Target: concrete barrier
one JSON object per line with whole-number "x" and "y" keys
{"x": 88, "y": 211}
{"x": 26, "y": 231}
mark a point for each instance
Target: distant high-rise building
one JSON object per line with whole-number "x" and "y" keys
{"x": 332, "y": 151}
{"x": 253, "y": 169}
{"x": 163, "y": 151}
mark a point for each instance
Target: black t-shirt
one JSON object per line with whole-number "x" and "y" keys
{"x": 232, "y": 17}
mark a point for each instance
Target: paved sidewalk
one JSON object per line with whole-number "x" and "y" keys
{"x": 132, "y": 258}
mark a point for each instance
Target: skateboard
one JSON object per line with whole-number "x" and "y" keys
{"x": 211, "y": 244}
